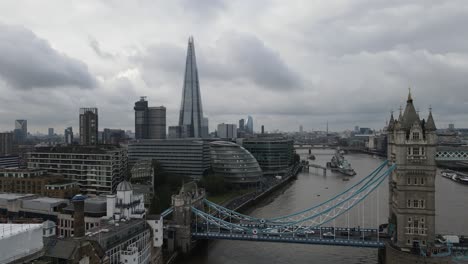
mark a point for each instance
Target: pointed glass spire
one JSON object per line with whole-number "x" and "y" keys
{"x": 191, "y": 112}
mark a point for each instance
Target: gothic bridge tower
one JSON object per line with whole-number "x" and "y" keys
{"x": 412, "y": 147}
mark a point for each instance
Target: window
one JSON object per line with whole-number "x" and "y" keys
{"x": 423, "y": 150}
{"x": 410, "y": 219}
{"x": 421, "y": 203}
{"x": 422, "y": 181}
{"x": 415, "y": 203}
{"x": 408, "y": 242}
{"x": 415, "y": 151}
{"x": 415, "y": 180}
{"x": 408, "y": 180}
{"x": 409, "y": 151}
{"x": 409, "y": 203}
{"x": 416, "y": 135}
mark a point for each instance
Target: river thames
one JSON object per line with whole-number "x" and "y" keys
{"x": 311, "y": 188}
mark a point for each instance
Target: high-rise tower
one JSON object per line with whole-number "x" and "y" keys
{"x": 150, "y": 122}
{"x": 88, "y": 126}
{"x": 191, "y": 112}
{"x": 412, "y": 146}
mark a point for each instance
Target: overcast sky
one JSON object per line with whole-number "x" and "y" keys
{"x": 285, "y": 63}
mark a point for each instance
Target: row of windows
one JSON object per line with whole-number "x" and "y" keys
{"x": 415, "y": 204}
{"x": 416, "y": 151}
{"x": 415, "y": 181}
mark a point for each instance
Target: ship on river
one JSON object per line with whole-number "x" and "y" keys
{"x": 340, "y": 164}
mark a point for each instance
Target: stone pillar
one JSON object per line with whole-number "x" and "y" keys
{"x": 182, "y": 203}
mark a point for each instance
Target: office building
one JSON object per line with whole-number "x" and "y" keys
{"x": 234, "y": 163}
{"x": 68, "y": 133}
{"x": 241, "y": 124}
{"x": 21, "y": 131}
{"x": 51, "y": 132}
{"x": 191, "y": 112}
{"x": 96, "y": 169}
{"x": 275, "y": 155}
{"x": 185, "y": 157}
{"x": 6, "y": 143}
{"x": 205, "y": 128}
{"x": 10, "y": 162}
{"x": 451, "y": 127}
{"x": 227, "y": 131}
{"x": 150, "y": 122}
{"x": 88, "y": 126}
{"x": 249, "y": 126}
{"x": 113, "y": 136}
{"x": 36, "y": 181}
{"x": 301, "y": 129}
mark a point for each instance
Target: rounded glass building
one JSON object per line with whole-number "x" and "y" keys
{"x": 234, "y": 163}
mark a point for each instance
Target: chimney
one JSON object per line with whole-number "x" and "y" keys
{"x": 78, "y": 215}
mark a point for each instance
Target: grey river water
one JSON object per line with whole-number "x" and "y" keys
{"x": 312, "y": 188}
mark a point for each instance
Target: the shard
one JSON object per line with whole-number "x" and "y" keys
{"x": 191, "y": 111}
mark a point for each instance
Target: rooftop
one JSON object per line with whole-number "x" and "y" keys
{"x": 14, "y": 196}
{"x": 8, "y": 230}
{"x": 99, "y": 149}
{"x": 114, "y": 232}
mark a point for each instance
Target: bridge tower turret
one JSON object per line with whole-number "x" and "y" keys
{"x": 188, "y": 196}
{"x": 412, "y": 147}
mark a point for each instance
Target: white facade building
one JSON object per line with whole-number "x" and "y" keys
{"x": 228, "y": 131}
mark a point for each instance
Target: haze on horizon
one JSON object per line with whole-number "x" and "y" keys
{"x": 285, "y": 65}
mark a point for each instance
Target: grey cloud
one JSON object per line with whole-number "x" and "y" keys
{"x": 28, "y": 61}
{"x": 235, "y": 57}
{"x": 382, "y": 25}
{"x": 94, "y": 44}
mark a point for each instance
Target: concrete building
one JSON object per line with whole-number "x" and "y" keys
{"x": 51, "y": 132}
{"x": 88, "y": 126}
{"x": 6, "y": 143}
{"x": 36, "y": 181}
{"x": 412, "y": 146}
{"x": 191, "y": 111}
{"x": 227, "y": 131}
{"x": 96, "y": 169}
{"x": 150, "y": 122}
{"x": 234, "y": 163}
{"x": 275, "y": 155}
{"x": 9, "y": 162}
{"x": 22, "y": 206}
{"x": 205, "y": 128}
{"x": 185, "y": 157}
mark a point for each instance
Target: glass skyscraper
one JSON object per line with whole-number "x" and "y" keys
{"x": 191, "y": 112}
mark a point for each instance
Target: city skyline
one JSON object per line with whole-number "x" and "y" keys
{"x": 250, "y": 64}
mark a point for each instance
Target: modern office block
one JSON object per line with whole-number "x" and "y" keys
{"x": 6, "y": 143}
{"x": 186, "y": 157}
{"x": 227, "y": 131}
{"x": 68, "y": 133}
{"x": 150, "y": 122}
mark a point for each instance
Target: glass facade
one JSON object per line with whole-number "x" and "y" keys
{"x": 191, "y": 112}
{"x": 274, "y": 155}
{"x": 234, "y": 163}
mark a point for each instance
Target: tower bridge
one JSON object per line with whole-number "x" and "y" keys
{"x": 409, "y": 236}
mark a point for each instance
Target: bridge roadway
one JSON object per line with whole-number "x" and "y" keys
{"x": 318, "y": 236}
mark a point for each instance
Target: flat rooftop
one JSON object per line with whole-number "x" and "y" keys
{"x": 9, "y": 230}
{"x": 114, "y": 232}
{"x": 14, "y": 196}
{"x": 99, "y": 149}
